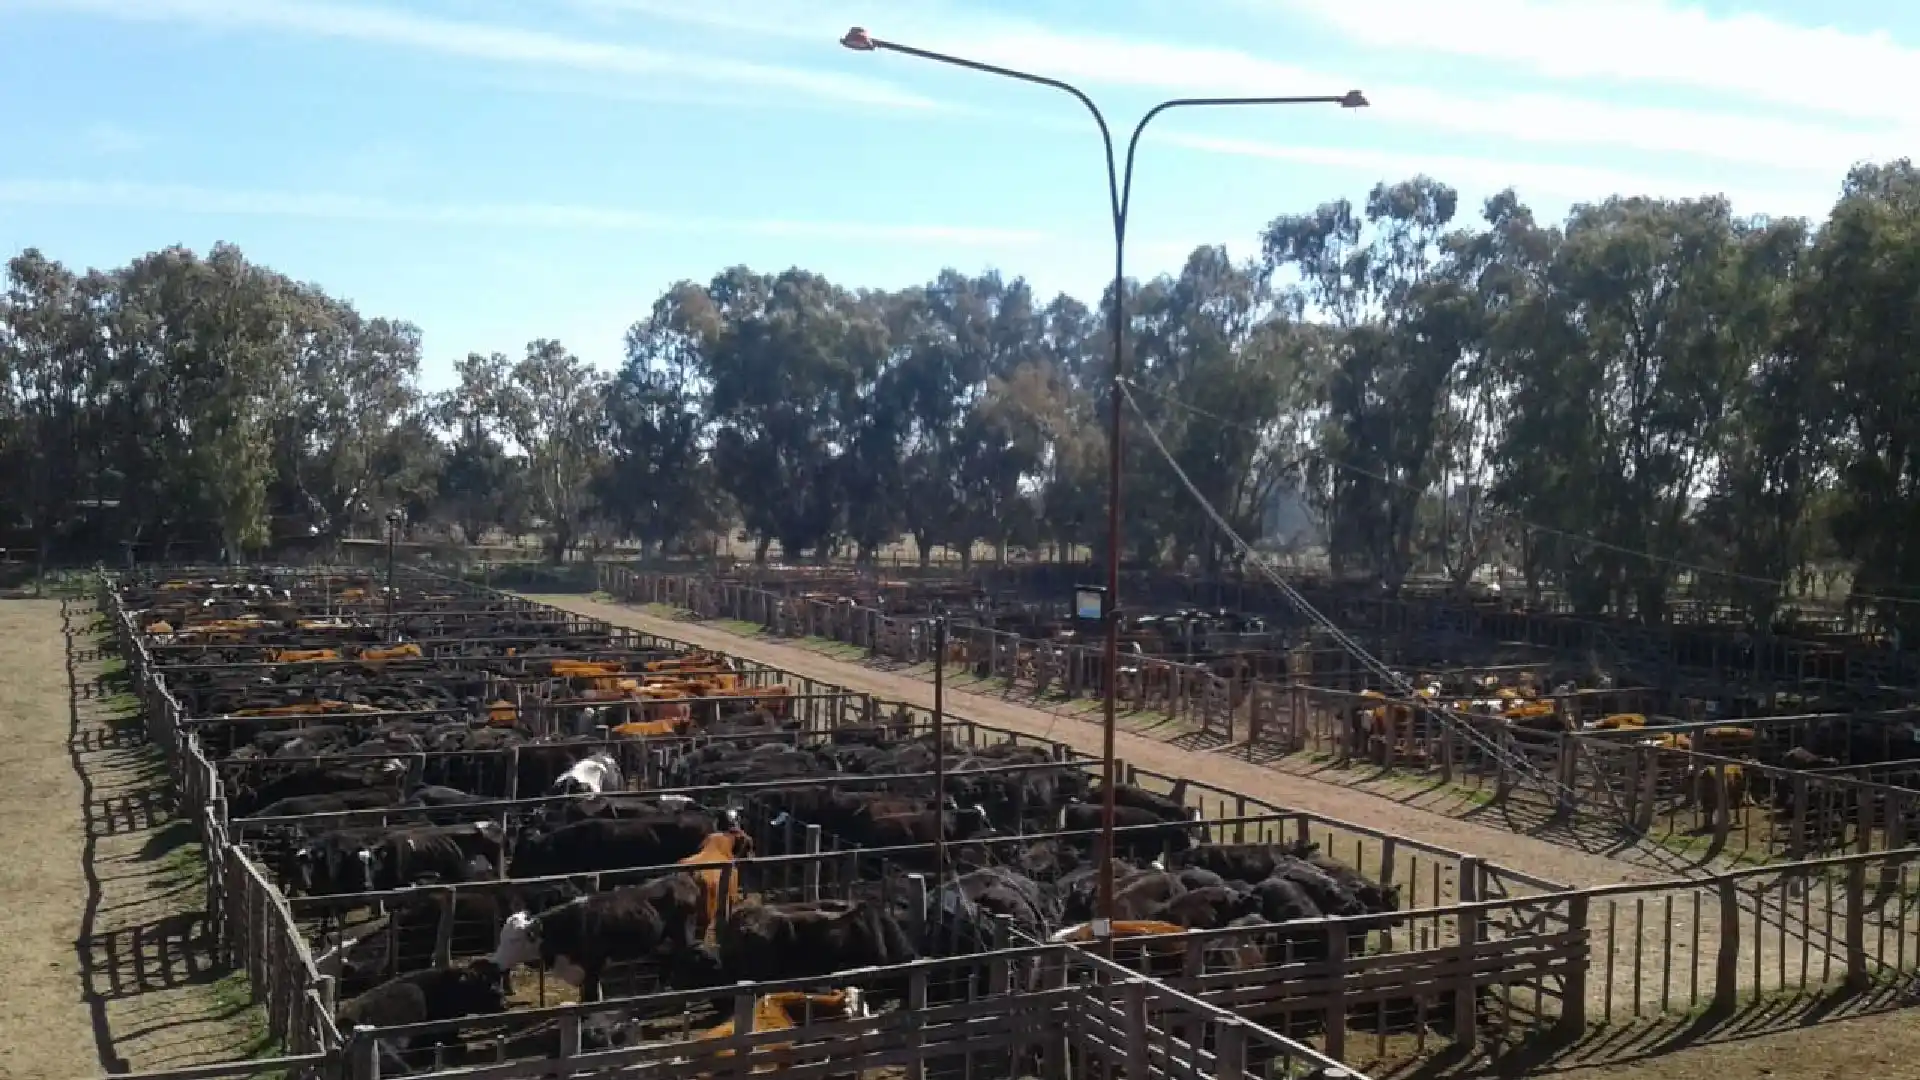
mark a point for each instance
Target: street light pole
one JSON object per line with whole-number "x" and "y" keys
{"x": 1119, "y": 198}
{"x": 940, "y": 752}
{"x": 393, "y": 537}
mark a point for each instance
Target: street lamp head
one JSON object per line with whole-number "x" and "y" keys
{"x": 393, "y": 517}
{"x": 857, "y": 40}
{"x": 1354, "y": 100}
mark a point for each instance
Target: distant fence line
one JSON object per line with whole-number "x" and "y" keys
{"x": 1600, "y": 778}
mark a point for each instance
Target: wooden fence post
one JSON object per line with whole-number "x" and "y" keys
{"x": 1230, "y": 1049}
{"x": 1857, "y": 974}
{"x": 363, "y": 1055}
{"x": 1573, "y": 1000}
{"x": 1466, "y": 1002}
{"x": 1726, "y": 976}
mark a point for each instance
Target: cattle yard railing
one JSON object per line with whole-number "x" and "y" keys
{"x": 1861, "y": 905}
{"x": 1083, "y": 1016}
{"x": 1365, "y": 989}
{"x": 1582, "y": 779}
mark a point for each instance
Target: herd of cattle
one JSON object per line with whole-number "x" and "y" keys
{"x": 634, "y": 837}
{"x": 1742, "y": 764}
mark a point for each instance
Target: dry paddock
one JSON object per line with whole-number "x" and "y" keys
{"x": 1657, "y": 949}
{"x": 106, "y": 965}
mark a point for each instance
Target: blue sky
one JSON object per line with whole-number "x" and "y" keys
{"x": 501, "y": 171}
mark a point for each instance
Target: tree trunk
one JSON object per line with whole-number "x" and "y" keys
{"x": 562, "y": 542}
{"x": 923, "y": 544}
{"x": 760, "y": 546}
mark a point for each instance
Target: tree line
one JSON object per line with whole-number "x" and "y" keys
{"x": 1652, "y": 397}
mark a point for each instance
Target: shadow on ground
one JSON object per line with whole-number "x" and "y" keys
{"x": 156, "y": 997}
{"x": 1641, "y": 1042}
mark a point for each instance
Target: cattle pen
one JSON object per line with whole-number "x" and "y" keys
{"x": 1471, "y": 954}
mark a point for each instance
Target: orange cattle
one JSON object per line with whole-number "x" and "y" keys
{"x": 565, "y": 669}
{"x": 647, "y": 729}
{"x": 1122, "y": 928}
{"x": 789, "y": 1010}
{"x": 1669, "y": 741}
{"x": 777, "y": 699}
{"x": 1713, "y": 788}
{"x": 502, "y": 714}
{"x": 302, "y": 656}
{"x": 409, "y": 651}
{"x": 717, "y": 848}
{"x": 1621, "y": 722}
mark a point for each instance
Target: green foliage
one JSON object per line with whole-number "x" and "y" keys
{"x": 1650, "y": 398}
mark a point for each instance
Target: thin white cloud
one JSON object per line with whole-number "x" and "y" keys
{"x": 110, "y": 139}
{"x": 1173, "y": 69}
{"x": 1820, "y": 68}
{"x": 1571, "y": 183}
{"x": 325, "y": 206}
{"x": 488, "y": 43}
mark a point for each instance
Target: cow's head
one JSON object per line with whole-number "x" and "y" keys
{"x": 740, "y": 843}
{"x": 781, "y": 819}
{"x": 303, "y": 859}
{"x": 364, "y": 856}
{"x": 519, "y": 942}
{"x": 730, "y": 817}
{"x": 973, "y": 821}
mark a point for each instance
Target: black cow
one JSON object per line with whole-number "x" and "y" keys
{"x": 1208, "y": 908}
{"x": 320, "y": 780}
{"x": 1149, "y": 834}
{"x": 1166, "y": 808}
{"x": 964, "y": 910}
{"x": 579, "y": 938}
{"x": 596, "y": 844}
{"x": 1377, "y": 899}
{"x": 617, "y": 805}
{"x": 794, "y": 941}
{"x": 443, "y": 853}
{"x": 311, "y": 741}
{"x": 681, "y": 902}
{"x": 336, "y": 802}
{"x": 1244, "y": 862}
{"x": 331, "y": 863}
{"x": 424, "y": 996}
{"x": 916, "y": 827}
{"x": 1282, "y": 900}
{"x": 407, "y": 940}
{"x": 1194, "y": 877}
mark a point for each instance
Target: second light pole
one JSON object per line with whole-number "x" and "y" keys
{"x": 1119, "y": 196}
{"x": 393, "y": 539}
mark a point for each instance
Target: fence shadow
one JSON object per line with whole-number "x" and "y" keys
{"x": 147, "y": 969}
{"x": 1622, "y": 1045}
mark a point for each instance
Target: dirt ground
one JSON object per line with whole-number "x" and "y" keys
{"x": 44, "y": 1028}
{"x": 1887, "y": 1045}
{"x": 106, "y": 960}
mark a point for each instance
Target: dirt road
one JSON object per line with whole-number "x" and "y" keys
{"x": 1376, "y": 811}
{"x": 105, "y": 951}
{"x": 44, "y": 1026}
